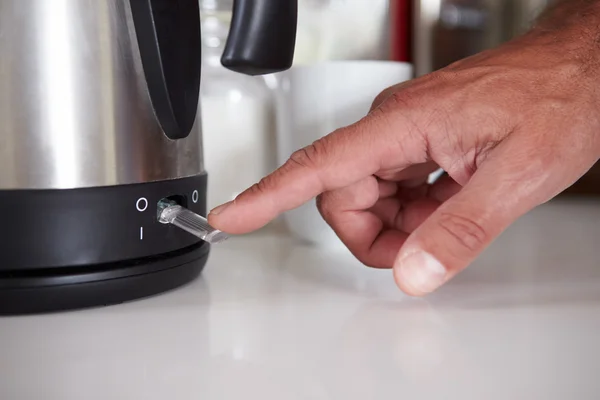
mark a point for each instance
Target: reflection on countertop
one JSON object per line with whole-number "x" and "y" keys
{"x": 275, "y": 319}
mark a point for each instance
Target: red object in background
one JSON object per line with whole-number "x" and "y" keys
{"x": 401, "y": 30}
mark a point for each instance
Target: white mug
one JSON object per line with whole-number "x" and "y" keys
{"x": 313, "y": 101}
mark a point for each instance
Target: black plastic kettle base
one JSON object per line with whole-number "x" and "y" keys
{"x": 32, "y": 292}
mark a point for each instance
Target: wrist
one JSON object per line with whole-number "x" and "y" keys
{"x": 570, "y": 14}
{"x": 567, "y": 34}
{"x": 571, "y": 25}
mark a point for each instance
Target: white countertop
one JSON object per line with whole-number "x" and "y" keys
{"x": 273, "y": 319}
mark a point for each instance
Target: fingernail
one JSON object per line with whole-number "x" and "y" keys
{"x": 218, "y": 210}
{"x": 421, "y": 272}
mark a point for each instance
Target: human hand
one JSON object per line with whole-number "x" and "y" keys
{"x": 512, "y": 127}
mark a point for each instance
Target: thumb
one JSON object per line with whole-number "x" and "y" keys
{"x": 462, "y": 227}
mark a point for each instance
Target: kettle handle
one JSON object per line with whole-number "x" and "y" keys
{"x": 262, "y": 36}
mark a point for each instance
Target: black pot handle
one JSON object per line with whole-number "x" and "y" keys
{"x": 262, "y": 36}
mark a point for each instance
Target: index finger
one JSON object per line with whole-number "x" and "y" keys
{"x": 337, "y": 160}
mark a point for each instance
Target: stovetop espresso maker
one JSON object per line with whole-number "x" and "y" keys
{"x": 99, "y": 123}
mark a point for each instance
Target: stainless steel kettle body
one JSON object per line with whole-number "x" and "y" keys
{"x": 74, "y": 102}
{"x": 99, "y": 122}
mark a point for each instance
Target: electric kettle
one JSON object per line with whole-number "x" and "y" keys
{"x": 99, "y": 123}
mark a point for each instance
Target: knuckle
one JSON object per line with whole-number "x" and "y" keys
{"x": 405, "y": 100}
{"x": 402, "y": 109}
{"x": 385, "y": 94}
{"x": 467, "y": 233}
{"x": 310, "y": 156}
{"x": 260, "y": 187}
{"x": 402, "y": 99}
{"x": 367, "y": 262}
{"x": 321, "y": 204}
{"x": 266, "y": 184}
{"x": 303, "y": 157}
{"x": 366, "y": 257}
{"x": 362, "y": 255}
{"x": 324, "y": 206}
{"x": 379, "y": 100}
